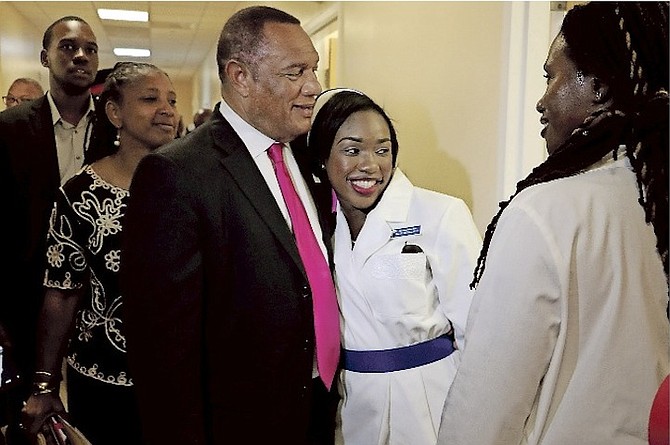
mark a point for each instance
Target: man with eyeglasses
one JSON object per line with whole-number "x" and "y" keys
{"x": 21, "y": 90}
{"x": 42, "y": 145}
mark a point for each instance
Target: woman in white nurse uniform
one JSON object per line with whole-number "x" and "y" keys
{"x": 404, "y": 257}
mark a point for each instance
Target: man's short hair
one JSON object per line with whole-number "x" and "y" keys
{"x": 242, "y": 36}
{"x": 48, "y": 34}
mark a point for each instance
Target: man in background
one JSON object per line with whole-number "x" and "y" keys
{"x": 200, "y": 117}
{"x": 22, "y": 89}
{"x": 42, "y": 144}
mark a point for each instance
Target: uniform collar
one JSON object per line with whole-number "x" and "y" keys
{"x": 394, "y": 205}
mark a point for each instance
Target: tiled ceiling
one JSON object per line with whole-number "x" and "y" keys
{"x": 179, "y": 34}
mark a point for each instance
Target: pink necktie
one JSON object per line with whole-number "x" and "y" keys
{"x": 326, "y": 314}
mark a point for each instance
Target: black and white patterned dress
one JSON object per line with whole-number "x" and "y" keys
{"x": 83, "y": 251}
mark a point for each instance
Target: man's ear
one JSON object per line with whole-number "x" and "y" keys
{"x": 239, "y": 76}
{"x": 601, "y": 91}
{"x": 44, "y": 59}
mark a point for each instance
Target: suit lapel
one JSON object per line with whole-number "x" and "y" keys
{"x": 242, "y": 168}
{"x": 44, "y": 140}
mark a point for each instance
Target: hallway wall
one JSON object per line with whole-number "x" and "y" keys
{"x": 435, "y": 67}
{"x": 20, "y": 46}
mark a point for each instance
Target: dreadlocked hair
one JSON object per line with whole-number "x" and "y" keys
{"x": 626, "y": 46}
{"x": 648, "y": 152}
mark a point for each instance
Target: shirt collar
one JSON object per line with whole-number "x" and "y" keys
{"x": 55, "y": 114}
{"x": 255, "y": 141}
{"x": 608, "y": 159}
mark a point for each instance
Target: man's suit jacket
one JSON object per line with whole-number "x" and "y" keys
{"x": 218, "y": 309}
{"x": 29, "y": 178}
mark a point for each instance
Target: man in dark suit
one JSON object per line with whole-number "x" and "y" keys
{"x": 41, "y": 146}
{"x": 218, "y": 306}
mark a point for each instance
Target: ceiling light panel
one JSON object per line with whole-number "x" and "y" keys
{"x": 132, "y": 52}
{"x": 123, "y": 14}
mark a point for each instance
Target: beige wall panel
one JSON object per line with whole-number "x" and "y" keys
{"x": 435, "y": 67}
{"x": 20, "y": 46}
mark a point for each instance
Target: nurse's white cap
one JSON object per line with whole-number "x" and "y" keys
{"x": 325, "y": 96}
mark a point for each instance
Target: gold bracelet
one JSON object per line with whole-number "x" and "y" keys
{"x": 40, "y": 388}
{"x": 45, "y": 391}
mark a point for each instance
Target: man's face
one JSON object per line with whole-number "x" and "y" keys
{"x": 22, "y": 91}
{"x": 282, "y": 92}
{"x": 72, "y": 57}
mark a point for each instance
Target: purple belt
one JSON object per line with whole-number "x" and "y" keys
{"x": 397, "y": 359}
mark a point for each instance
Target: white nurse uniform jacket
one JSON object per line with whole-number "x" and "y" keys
{"x": 390, "y": 299}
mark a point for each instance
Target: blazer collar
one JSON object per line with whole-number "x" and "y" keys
{"x": 237, "y": 160}
{"x": 40, "y": 108}
{"x": 42, "y": 140}
{"x": 55, "y": 114}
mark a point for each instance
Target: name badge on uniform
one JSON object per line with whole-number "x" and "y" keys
{"x": 405, "y": 231}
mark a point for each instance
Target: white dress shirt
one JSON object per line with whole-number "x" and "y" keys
{"x": 71, "y": 139}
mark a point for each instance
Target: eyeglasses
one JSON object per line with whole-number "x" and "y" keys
{"x": 10, "y": 100}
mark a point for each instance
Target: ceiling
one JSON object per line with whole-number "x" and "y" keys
{"x": 180, "y": 34}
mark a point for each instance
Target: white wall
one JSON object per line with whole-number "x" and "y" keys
{"x": 527, "y": 36}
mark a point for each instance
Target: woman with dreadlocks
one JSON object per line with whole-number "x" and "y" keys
{"x": 567, "y": 338}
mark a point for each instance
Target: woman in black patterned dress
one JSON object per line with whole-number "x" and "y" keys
{"x": 81, "y": 317}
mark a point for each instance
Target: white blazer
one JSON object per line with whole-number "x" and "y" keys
{"x": 568, "y": 337}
